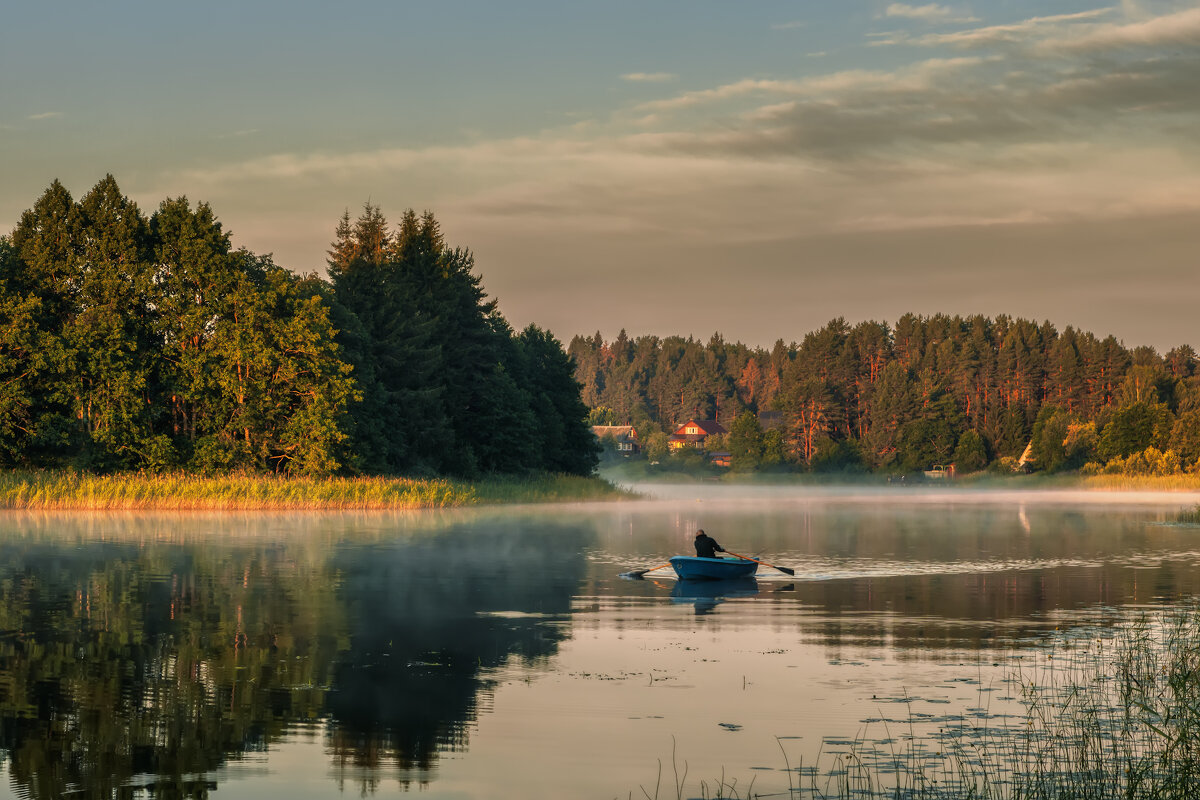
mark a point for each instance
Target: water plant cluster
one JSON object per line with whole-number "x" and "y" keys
{"x": 1097, "y": 714}
{"x": 179, "y": 491}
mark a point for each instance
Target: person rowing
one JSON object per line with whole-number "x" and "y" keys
{"x": 706, "y": 546}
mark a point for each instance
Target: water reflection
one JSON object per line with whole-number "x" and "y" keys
{"x": 141, "y": 654}
{"x": 428, "y": 619}
{"x": 131, "y": 661}
{"x": 707, "y": 595}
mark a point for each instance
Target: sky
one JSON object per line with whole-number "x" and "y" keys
{"x": 688, "y": 167}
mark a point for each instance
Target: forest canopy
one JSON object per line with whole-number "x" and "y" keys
{"x": 135, "y": 342}
{"x": 940, "y": 390}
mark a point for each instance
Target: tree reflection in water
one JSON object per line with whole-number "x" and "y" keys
{"x": 134, "y": 667}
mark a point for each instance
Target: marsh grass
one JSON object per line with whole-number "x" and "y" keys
{"x": 1189, "y": 481}
{"x": 68, "y": 490}
{"x": 1189, "y": 516}
{"x": 1113, "y": 714}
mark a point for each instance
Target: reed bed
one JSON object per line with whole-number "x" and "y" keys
{"x": 1116, "y": 715}
{"x": 1189, "y": 516}
{"x": 1181, "y": 482}
{"x": 1101, "y": 714}
{"x": 67, "y": 490}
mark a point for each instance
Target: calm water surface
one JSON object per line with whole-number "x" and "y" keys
{"x": 497, "y": 653}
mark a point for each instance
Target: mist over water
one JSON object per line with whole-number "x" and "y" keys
{"x": 497, "y": 652}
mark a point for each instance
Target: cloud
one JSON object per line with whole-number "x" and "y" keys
{"x": 788, "y": 26}
{"x": 649, "y": 77}
{"x": 1071, "y": 78}
{"x": 906, "y": 78}
{"x": 1180, "y": 28}
{"x": 932, "y": 12}
{"x": 1022, "y": 32}
{"x": 1025, "y": 136}
{"x": 45, "y": 115}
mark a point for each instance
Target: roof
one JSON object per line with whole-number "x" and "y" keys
{"x": 707, "y": 426}
{"x": 616, "y": 431}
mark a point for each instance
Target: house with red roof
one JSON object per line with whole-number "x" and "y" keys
{"x": 693, "y": 433}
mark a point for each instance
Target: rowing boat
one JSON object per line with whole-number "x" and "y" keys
{"x": 692, "y": 567}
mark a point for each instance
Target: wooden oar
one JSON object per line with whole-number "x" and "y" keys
{"x": 784, "y": 570}
{"x": 637, "y": 573}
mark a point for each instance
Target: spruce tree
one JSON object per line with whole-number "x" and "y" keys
{"x": 566, "y": 444}
{"x": 400, "y": 426}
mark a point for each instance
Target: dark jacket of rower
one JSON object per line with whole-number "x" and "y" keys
{"x": 706, "y": 546}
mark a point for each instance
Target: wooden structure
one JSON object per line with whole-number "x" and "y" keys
{"x": 624, "y": 437}
{"x": 693, "y": 433}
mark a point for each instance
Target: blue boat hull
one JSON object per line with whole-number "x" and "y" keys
{"x": 693, "y": 568}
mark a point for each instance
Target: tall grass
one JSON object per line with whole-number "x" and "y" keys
{"x": 1189, "y": 481}
{"x": 1117, "y": 717}
{"x": 1114, "y": 716}
{"x": 68, "y": 490}
{"x": 1189, "y": 516}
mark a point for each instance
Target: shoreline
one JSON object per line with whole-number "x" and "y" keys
{"x": 62, "y": 490}
{"x": 980, "y": 481}
{"x": 75, "y": 491}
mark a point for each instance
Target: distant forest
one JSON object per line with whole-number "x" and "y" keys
{"x": 974, "y": 392}
{"x": 150, "y": 343}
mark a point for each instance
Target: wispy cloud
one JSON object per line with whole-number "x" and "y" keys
{"x": 1015, "y": 136}
{"x": 906, "y": 78}
{"x": 1023, "y": 32}
{"x": 788, "y": 26}
{"x": 649, "y": 77}
{"x": 46, "y": 115}
{"x": 238, "y": 134}
{"x": 1180, "y": 28}
{"x": 928, "y": 12}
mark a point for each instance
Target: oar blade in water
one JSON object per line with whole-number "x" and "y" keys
{"x": 638, "y": 574}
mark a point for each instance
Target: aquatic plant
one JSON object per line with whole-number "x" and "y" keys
{"x": 1189, "y": 516}
{"x": 1111, "y": 716}
{"x": 1184, "y": 481}
{"x": 1117, "y": 716}
{"x": 70, "y": 490}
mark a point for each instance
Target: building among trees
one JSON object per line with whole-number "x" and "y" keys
{"x": 974, "y": 392}
{"x": 694, "y": 433}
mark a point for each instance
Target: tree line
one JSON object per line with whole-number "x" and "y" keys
{"x": 135, "y": 342}
{"x": 972, "y": 391}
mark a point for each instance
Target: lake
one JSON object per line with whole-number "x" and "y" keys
{"x": 498, "y": 652}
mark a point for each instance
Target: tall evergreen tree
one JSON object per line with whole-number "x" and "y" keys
{"x": 566, "y": 443}
{"x": 401, "y": 425}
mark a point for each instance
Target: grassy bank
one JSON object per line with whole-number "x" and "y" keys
{"x": 64, "y": 490}
{"x": 1146, "y": 483}
{"x": 640, "y": 471}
